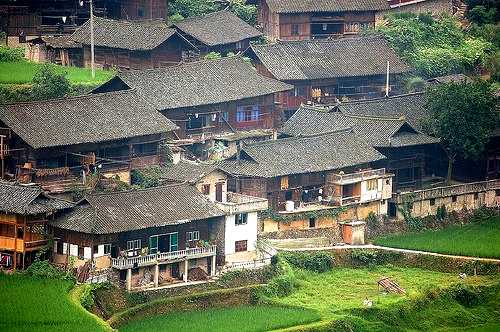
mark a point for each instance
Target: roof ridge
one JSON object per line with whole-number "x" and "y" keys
{"x": 367, "y": 101}
{"x": 163, "y": 186}
{"x": 326, "y": 41}
{"x": 374, "y": 117}
{"x": 66, "y": 98}
{"x": 197, "y": 17}
{"x": 295, "y": 138}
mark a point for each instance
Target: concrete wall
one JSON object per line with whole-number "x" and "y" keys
{"x": 211, "y": 179}
{"x": 235, "y": 233}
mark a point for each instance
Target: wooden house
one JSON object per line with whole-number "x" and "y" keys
{"x": 241, "y": 220}
{"x": 24, "y": 211}
{"x": 132, "y": 44}
{"x": 59, "y": 143}
{"x": 327, "y": 70}
{"x": 208, "y": 99}
{"x": 302, "y": 20}
{"x": 312, "y": 175}
{"x": 220, "y": 32}
{"x": 386, "y": 124}
{"x": 27, "y": 19}
{"x": 61, "y": 50}
{"x": 148, "y": 237}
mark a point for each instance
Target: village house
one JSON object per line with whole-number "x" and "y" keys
{"x": 329, "y": 70}
{"x": 241, "y": 211}
{"x": 27, "y": 19}
{"x": 301, "y": 20}
{"x": 220, "y": 32}
{"x": 307, "y": 179}
{"x": 24, "y": 211}
{"x": 305, "y": 19}
{"x": 414, "y": 158}
{"x": 235, "y": 99}
{"x": 60, "y": 143}
{"x": 149, "y": 237}
{"x": 61, "y": 50}
{"x": 118, "y": 44}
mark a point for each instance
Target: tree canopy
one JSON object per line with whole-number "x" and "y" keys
{"x": 48, "y": 84}
{"x": 463, "y": 116}
{"x": 434, "y": 47}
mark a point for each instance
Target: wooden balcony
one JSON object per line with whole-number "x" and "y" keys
{"x": 342, "y": 179}
{"x": 10, "y": 243}
{"x": 165, "y": 257}
{"x": 238, "y": 203}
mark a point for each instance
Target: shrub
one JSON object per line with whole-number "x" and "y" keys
{"x": 316, "y": 261}
{"x": 87, "y": 298}
{"x": 43, "y": 269}
{"x": 466, "y": 296}
{"x": 47, "y": 84}
{"x": 372, "y": 220}
{"x": 8, "y": 54}
{"x": 147, "y": 177}
{"x": 482, "y": 15}
{"x": 441, "y": 212}
{"x": 364, "y": 257}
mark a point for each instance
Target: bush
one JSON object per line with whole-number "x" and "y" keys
{"x": 482, "y": 15}
{"x": 364, "y": 257}
{"x": 47, "y": 84}
{"x": 441, "y": 213}
{"x": 8, "y": 54}
{"x": 43, "y": 269}
{"x": 316, "y": 261}
{"x": 87, "y": 298}
{"x": 148, "y": 177}
{"x": 466, "y": 296}
{"x": 372, "y": 220}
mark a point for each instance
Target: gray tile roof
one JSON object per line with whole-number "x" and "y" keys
{"x": 374, "y": 130}
{"x": 328, "y": 151}
{"x": 304, "y": 6}
{"x": 201, "y": 83}
{"x": 28, "y": 200}
{"x": 219, "y": 28}
{"x": 129, "y": 35}
{"x": 455, "y": 78}
{"x": 410, "y": 106}
{"x": 84, "y": 119}
{"x": 323, "y": 59}
{"x": 187, "y": 171}
{"x": 141, "y": 209}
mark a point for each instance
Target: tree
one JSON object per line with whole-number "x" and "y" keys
{"x": 48, "y": 84}
{"x": 463, "y": 116}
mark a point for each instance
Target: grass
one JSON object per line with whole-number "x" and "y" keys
{"x": 474, "y": 239}
{"x": 22, "y": 72}
{"x": 342, "y": 289}
{"x": 241, "y": 319}
{"x": 30, "y": 304}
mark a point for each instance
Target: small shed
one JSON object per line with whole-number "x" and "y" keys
{"x": 353, "y": 232}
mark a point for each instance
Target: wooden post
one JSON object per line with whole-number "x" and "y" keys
{"x": 15, "y": 245}
{"x": 212, "y": 267}
{"x": 157, "y": 275}
{"x": 185, "y": 276}
{"x": 129, "y": 279}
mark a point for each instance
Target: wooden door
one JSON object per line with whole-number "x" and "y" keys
{"x": 218, "y": 191}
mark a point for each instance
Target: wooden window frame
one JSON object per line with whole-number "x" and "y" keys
{"x": 240, "y": 219}
{"x": 241, "y": 246}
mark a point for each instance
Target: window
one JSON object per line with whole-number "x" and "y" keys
{"x": 352, "y": 27}
{"x": 241, "y": 219}
{"x": 454, "y": 198}
{"x": 134, "y": 244}
{"x": 140, "y": 12}
{"x": 284, "y": 182}
{"x": 387, "y": 181}
{"x": 295, "y": 29}
{"x": 371, "y": 185}
{"x": 300, "y": 91}
{"x": 497, "y": 192}
{"x": 239, "y": 45}
{"x": 196, "y": 121}
{"x": 107, "y": 248}
{"x": 59, "y": 247}
{"x": 289, "y": 195}
{"x": 224, "y": 117}
{"x": 476, "y": 196}
{"x": 432, "y": 201}
{"x": 206, "y": 189}
{"x": 193, "y": 236}
{"x": 312, "y": 222}
{"x": 80, "y": 252}
{"x": 240, "y": 246}
{"x": 248, "y": 113}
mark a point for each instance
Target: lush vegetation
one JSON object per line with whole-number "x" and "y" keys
{"x": 242, "y": 318}
{"x": 180, "y": 9}
{"x": 21, "y": 72}
{"x": 434, "y": 47}
{"x": 43, "y": 304}
{"x": 475, "y": 239}
{"x": 463, "y": 116}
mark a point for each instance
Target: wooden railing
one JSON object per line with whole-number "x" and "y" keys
{"x": 357, "y": 177}
{"x": 127, "y": 263}
{"x": 446, "y": 191}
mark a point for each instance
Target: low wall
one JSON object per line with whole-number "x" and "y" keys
{"x": 213, "y": 299}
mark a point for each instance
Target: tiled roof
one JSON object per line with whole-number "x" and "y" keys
{"x": 187, "y": 171}
{"x": 410, "y": 106}
{"x": 455, "y": 78}
{"x": 135, "y": 210}
{"x": 64, "y": 41}
{"x": 28, "y": 200}
{"x": 219, "y": 28}
{"x": 129, "y": 35}
{"x": 375, "y": 131}
{"x": 322, "y": 59}
{"x": 328, "y": 151}
{"x": 201, "y": 83}
{"x": 84, "y": 119}
{"x": 312, "y": 6}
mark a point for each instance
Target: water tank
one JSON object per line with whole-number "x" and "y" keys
{"x": 290, "y": 206}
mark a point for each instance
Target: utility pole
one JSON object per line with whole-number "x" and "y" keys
{"x": 387, "y": 81}
{"x": 92, "y": 64}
